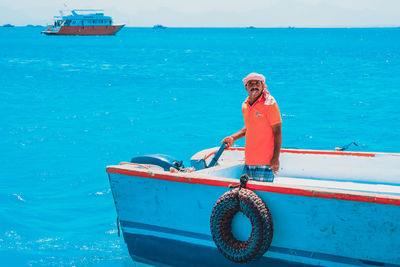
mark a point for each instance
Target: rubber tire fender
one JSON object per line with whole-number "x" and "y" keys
{"x": 254, "y": 208}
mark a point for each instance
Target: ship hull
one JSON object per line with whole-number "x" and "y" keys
{"x": 86, "y": 30}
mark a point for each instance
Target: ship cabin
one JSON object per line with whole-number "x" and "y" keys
{"x": 76, "y": 19}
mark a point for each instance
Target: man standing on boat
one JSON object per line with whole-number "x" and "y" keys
{"x": 262, "y": 130}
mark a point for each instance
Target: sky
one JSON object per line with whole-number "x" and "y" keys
{"x": 215, "y": 13}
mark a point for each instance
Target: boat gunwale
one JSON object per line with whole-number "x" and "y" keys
{"x": 316, "y": 152}
{"x": 194, "y": 178}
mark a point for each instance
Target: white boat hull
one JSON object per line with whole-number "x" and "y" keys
{"x": 165, "y": 217}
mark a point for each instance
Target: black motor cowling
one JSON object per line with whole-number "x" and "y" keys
{"x": 164, "y": 161}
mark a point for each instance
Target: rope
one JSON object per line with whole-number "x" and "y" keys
{"x": 243, "y": 182}
{"x": 119, "y": 232}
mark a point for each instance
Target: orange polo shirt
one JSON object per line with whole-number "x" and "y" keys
{"x": 259, "y": 119}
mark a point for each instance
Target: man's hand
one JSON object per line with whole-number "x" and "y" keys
{"x": 229, "y": 141}
{"x": 275, "y": 164}
{"x": 277, "y": 131}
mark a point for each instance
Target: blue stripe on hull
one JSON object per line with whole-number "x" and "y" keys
{"x": 160, "y": 251}
{"x": 165, "y": 230}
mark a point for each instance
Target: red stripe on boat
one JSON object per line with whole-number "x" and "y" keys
{"x": 285, "y": 150}
{"x": 258, "y": 187}
{"x": 338, "y": 153}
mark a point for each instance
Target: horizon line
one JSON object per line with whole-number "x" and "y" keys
{"x": 236, "y": 27}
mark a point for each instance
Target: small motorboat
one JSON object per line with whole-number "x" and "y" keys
{"x": 159, "y": 26}
{"x": 330, "y": 208}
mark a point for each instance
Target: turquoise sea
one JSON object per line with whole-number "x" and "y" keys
{"x": 72, "y": 105}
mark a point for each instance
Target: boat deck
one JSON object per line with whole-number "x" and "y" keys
{"x": 340, "y": 185}
{"x": 235, "y": 170}
{"x": 376, "y": 173}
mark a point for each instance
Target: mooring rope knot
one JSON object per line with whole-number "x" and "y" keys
{"x": 243, "y": 182}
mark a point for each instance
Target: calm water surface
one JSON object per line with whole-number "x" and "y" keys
{"x": 72, "y": 105}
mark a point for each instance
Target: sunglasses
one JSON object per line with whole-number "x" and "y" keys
{"x": 252, "y": 83}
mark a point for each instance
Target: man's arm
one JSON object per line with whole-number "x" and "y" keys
{"x": 230, "y": 139}
{"x": 277, "y": 131}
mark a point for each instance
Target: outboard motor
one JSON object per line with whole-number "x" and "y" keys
{"x": 164, "y": 161}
